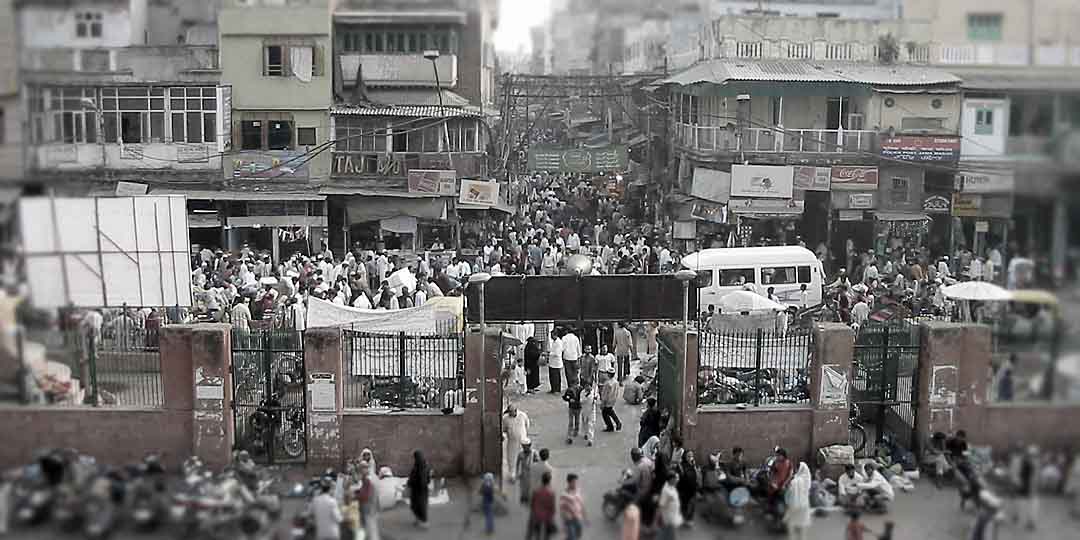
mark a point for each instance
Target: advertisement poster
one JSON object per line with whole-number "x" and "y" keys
{"x": 766, "y": 181}
{"x": 813, "y": 178}
{"x": 479, "y": 192}
{"x": 985, "y": 183}
{"x": 854, "y": 178}
{"x": 861, "y": 201}
{"x": 708, "y": 211}
{"x": 433, "y": 182}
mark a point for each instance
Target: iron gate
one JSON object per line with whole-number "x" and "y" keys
{"x": 884, "y": 381}
{"x": 269, "y": 395}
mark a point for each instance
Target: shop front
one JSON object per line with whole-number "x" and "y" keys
{"x": 766, "y": 205}
{"x": 900, "y": 225}
{"x": 396, "y": 223}
{"x": 853, "y": 195}
{"x": 983, "y": 205}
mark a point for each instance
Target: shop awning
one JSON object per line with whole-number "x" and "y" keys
{"x": 498, "y": 207}
{"x": 901, "y": 216}
{"x": 365, "y": 209}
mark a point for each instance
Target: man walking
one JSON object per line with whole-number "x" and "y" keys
{"x": 572, "y": 508}
{"x": 624, "y": 346}
{"x": 515, "y": 430}
{"x": 555, "y": 363}
{"x": 532, "y": 365}
{"x": 609, "y": 393}
{"x": 542, "y": 512}
{"x": 588, "y": 366}
{"x": 522, "y": 471}
{"x": 571, "y": 345}
{"x": 572, "y": 397}
{"x": 649, "y": 423}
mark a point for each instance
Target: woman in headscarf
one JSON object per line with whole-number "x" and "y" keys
{"x": 368, "y": 457}
{"x": 418, "y": 489}
{"x": 797, "y": 517}
{"x": 651, "y": 447}
{"x": 688, "y": 486}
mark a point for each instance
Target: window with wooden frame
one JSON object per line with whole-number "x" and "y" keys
{"x": 277, "y": 58}
{"x": 264, "y": 131}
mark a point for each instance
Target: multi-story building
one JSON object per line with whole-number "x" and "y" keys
{"x": 102, "y": 105}
{"x": 855, "y": 139}
{"x": 416, "y": 81}
{"x": 11, "y": 158}
{"x": 1021, "y": 115}
{"x": 275, "y": 59}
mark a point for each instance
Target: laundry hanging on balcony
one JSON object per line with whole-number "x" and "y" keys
{"x": 300, "y": 58}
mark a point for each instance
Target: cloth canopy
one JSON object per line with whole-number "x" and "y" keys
{"x": 364, "y": 209}
{"x": 740, "y": 301}
{"x": 976, "y": 290}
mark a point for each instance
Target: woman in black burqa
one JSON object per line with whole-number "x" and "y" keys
{"x": 418, "y": 488}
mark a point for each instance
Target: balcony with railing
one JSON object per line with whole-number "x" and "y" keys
{"x": 709, "y": 139}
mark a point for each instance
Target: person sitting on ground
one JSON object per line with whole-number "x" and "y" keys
{"x": 634, "y": 391}
{"x": 847, "y": 486}
{"x": 876, "y": 486}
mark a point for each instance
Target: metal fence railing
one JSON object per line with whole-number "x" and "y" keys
{"x": 119, "y": 367}
{"x": 754, "y": 367}
{"x": 404, "y": 372}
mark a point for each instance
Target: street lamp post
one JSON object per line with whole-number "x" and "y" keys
{"x": 479, "y": 279}
{"x": 685, "y": 276}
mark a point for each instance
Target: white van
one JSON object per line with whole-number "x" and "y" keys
{"x": 784, "y": 268}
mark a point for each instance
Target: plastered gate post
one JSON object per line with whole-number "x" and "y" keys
{"x": 208, "y": 384}
{"x": 482, "y": 429}
{"x": 323, "y": 361}
{"x": 830, "y": 382}
{"x": 954, "y": 365}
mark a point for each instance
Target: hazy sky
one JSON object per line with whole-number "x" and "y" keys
{"x": 516, "y": 17}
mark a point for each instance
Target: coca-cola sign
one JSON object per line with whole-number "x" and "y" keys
{"x": 854, "y": 178}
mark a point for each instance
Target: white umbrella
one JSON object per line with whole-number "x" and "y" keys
{"x": 740, "y": 301}
{"x": 976, "y": 290}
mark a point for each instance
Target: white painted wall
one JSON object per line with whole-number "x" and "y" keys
{"x": 48, "y": 25}
{"x": 984, "y": 145}
{"x": 161, "y": 156}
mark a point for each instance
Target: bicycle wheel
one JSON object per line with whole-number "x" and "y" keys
{"x": 857, "y": 437}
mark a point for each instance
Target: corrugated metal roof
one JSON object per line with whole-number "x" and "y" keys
{"x": 415, "y": 97}
{"x": 1020, "y": 79}
{"x": 418, "y": 111}
{"x": 723, "y": 70}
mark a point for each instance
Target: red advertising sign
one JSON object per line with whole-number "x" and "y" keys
{"x": 921, "y": 148}
{"x": 852, "y": 178}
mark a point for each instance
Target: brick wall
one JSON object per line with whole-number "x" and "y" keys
{"x": 112, "y": 436}
{"x": 757, "y": 431}
{"x": 394, "y": 437}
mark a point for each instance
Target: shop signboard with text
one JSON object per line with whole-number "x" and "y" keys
{"x": 777, "y": 207}
{"x": 853, "y": 178}
{"x": 922, "y": 149}
{"x": 579, "y": 160}
{"x": 966, "y": 204}
{"x": 711, "y": 185}
{"x": 936, "y": 204}
{"x": 709, "y": 211}
{"x": 762, "y": 181}
{"x": 1003, "y": 182}
{"x": 433, "y": 182}
{"x": 813, "y": 178}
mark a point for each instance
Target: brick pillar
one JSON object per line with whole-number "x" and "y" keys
{"x": 323, "y": 356}
{"x": 954, "y": 366}
{"x": 834, "y": 348}
{"x": 477, "y": 380}
{"x": 689, "y": 417}
{"x": 195, "y": 363}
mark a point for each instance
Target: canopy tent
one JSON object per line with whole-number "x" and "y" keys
{"x": 740, "y": 301}
{"x": 363, "y": 209}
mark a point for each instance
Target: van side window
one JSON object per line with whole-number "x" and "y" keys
{"x": 733, "y": 277}
{"x": 804, "y": 274}
{"x": 704, "y": 278}
{"x": 781, "y": 275}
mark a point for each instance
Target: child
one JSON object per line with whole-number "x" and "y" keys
{"x": 487, "y": 501}
{"x": 855, "y": 528}
{"x": 517, "y": 381}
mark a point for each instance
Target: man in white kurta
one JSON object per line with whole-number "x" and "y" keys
{"x": 515, "y": 429}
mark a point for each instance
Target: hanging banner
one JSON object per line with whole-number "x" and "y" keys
{"x": 434, "y": 182}
{"x": 764, "y": 181}
{"x": 852, "y": 178}
{"x": 766, "y": 207}
{"x": 711, "y": 185}
{"x": 813, "y": 178}
{"x": 479, "y": 192}
{"x": 579, "y": 160}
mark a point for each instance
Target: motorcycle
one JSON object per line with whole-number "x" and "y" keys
{"x": 727, "y": 508}
{"x": 295, "y": 433}
{"x": 616, "y": 500}
{"x": 856, "y": 431}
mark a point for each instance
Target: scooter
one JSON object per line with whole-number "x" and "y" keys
{"x": 727, "y": 508}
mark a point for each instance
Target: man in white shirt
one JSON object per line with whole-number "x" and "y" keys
{"x": 870, "y": 273}
{"x": 464, "y": 269}
{"x": 454, "y": 269}
{"x": 571, "y": 356}
{"x": 326, "y": 513}
{"x": 975, "y": 269}
{"x": 860, "y": 312}
{"x": 573, "y": 243}
{"x": 362, "y": 301}
{"x": 877, "y": 485}
{"x": 847, "y": 485}
{"x": 419, "y": 297}
{"x": 555, "y": 363}
{"x": 665, "y": 259}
